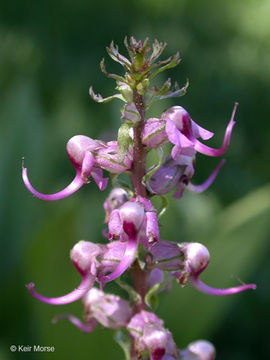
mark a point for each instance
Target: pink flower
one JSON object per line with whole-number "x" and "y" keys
{"x": 88, "y": 157}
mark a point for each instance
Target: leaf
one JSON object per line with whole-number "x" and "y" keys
{"x": 123, "y": 141}
{"x": 98, "y": 98}
{"x": 134, "y": 296}
{"x": 151, "y": 298}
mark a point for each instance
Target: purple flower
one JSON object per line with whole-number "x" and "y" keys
{"x": 135, "y": 221}
{"x": 199, "y": 350}
{"x": 83, "y": 255}
{"x": 153, "y": 133}
{"x": 176, "y": 126}
{"x": 116, "y": 198}
{"x": 89, "y": 259}
{"x": 88, "y": 157}
{"x": 183, "y": 132}
{"x": 150, "y": 335}
{"x": 190, "y": 259}
{"x": 177, "y": 174}
{"x": 106, "y": 309}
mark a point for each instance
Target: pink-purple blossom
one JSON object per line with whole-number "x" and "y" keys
{"x": 186, "y": 261}
{"x": 133, "y": 222}
{"x": 88, "y": 157}
{"x": 99, "y": 308}
{"x": 150, "y": 335}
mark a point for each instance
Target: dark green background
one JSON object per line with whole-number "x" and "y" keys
{"x": 49, "y": 55}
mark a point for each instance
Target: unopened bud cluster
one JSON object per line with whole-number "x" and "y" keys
{"x": 132, "y": 246}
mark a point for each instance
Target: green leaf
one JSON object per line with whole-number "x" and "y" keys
{"x": 147, "y": 176}
{"x": 116, "y": 56}
{"x": 173, "y": 61}
{"x": 98, "y": 98}
{"x": 175, "y": 93}
{"x": 123, "y": 140}
{"x": 151, "y": 298}
{"x": 112, "y": 76}
{"x": 134, "y": 296}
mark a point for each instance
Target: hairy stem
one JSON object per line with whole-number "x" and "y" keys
{"x": 139, "y": 277}
{"x": 139, "y": 153}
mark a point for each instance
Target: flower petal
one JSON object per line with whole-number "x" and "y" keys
{"x": 126, "y": 261}
{"x": 198, "y": 131}
{"x": 101, "y": 182}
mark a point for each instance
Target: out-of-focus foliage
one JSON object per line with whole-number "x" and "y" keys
{"x": 49, "y": 55}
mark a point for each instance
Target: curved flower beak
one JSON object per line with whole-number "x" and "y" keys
{"x": 206, "y": 150}
{"x": 86, "y": 283}
{"x": 200, "y": 286}
{"x": 208, "y": 182}
{"x": 75, "y": 185}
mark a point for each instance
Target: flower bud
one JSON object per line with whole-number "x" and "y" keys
{"x": 108, "y": 158}
{"x": 166, "y": 177}
{"x": 116, "y": 198}
{"x": 153, "y": 133}
{"x": 125, "y": 90}
{"x": 109, "y": 310}
{"x": 150, "y": 335}
{"x": 199, "y": 350}
{"x": 130, "y": 114}
{"x": 167, "y": 256}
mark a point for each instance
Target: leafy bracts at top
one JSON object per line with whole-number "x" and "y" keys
{"x": 141, "y": 67}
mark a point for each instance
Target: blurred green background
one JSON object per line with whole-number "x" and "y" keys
{"x": 49, "y": 55}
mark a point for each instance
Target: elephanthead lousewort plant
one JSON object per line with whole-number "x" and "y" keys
{"x": 133, "y": 245}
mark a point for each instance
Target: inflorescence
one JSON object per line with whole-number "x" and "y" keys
{"x": 132, "y": 242}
